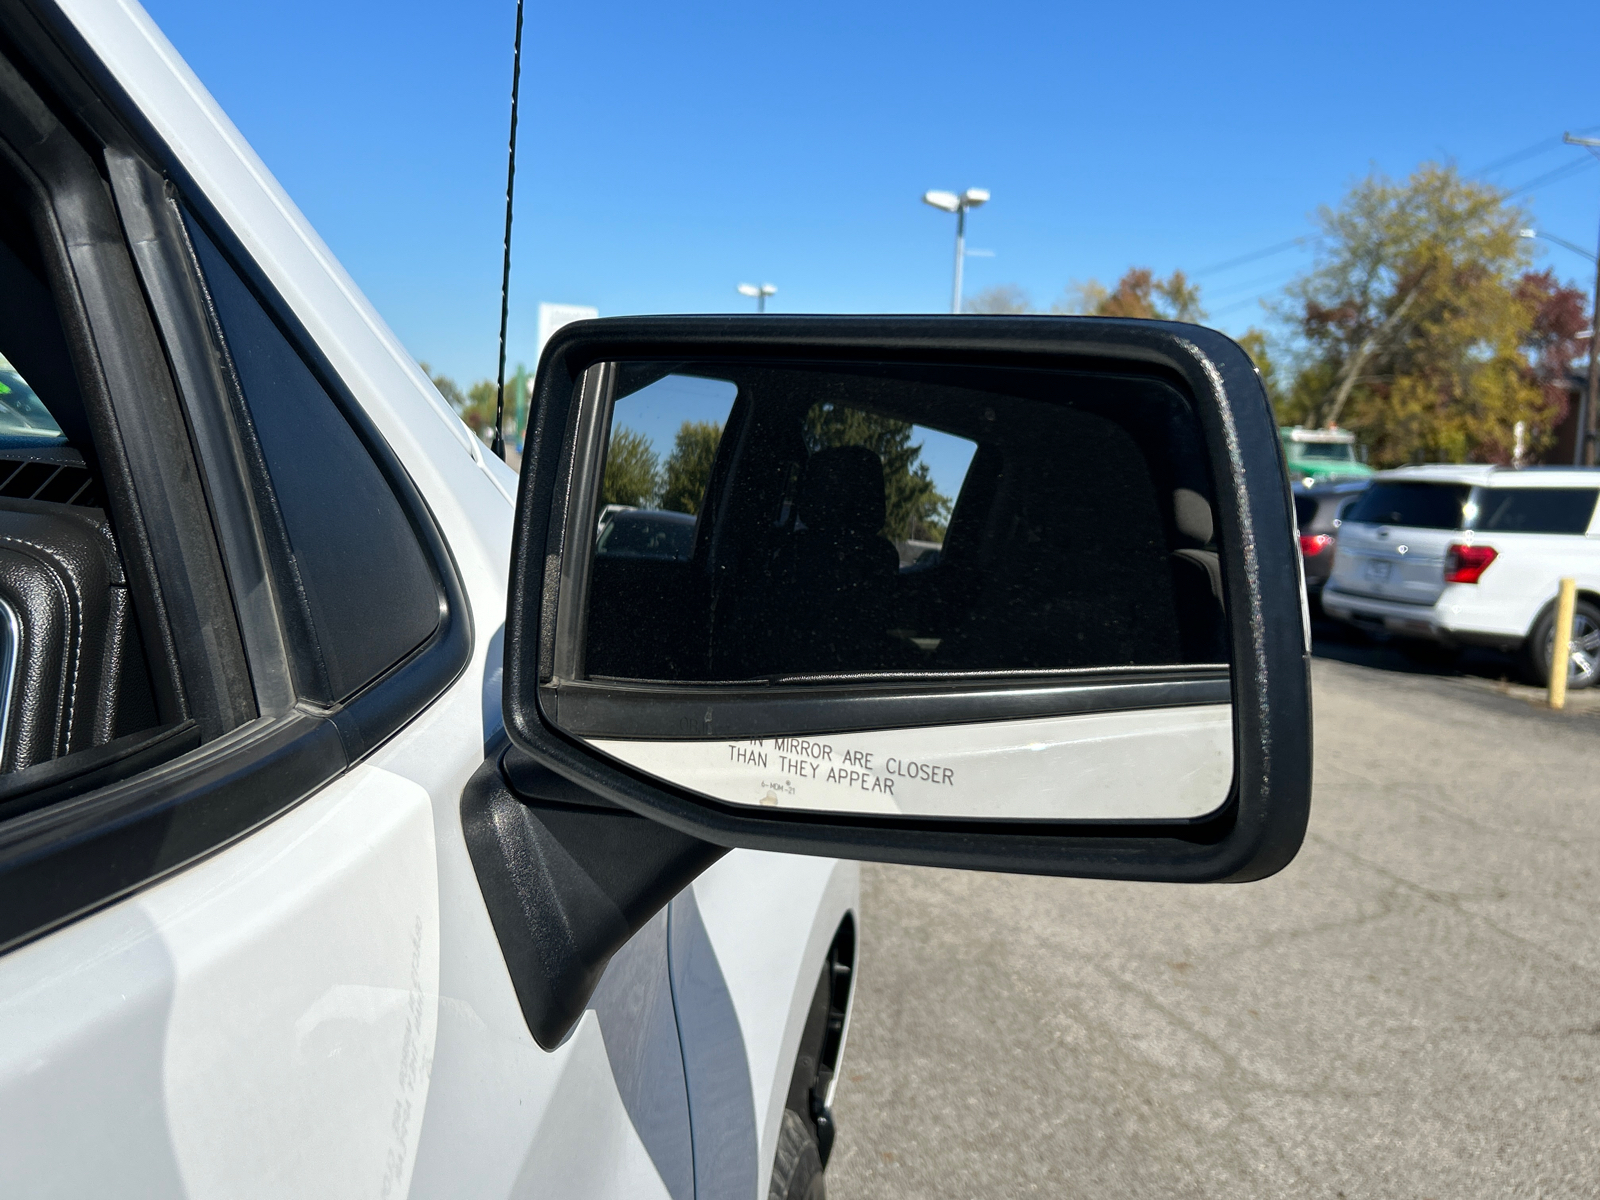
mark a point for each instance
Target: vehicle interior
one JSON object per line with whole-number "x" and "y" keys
{"x": 1081, "y": 493}
{"x": 74, "y": 675}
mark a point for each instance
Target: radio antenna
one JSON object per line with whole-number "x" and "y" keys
{"x": 498, "y": 443}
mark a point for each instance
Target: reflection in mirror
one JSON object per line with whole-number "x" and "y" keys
{"x": 953, "y": 591}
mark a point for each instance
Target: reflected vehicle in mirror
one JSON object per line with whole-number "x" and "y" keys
{"x": 646, "y": 534}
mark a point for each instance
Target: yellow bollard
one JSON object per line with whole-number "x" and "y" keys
{"x": 1561, "y": 650}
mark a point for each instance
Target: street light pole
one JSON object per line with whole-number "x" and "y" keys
{"x": 760, "y": 293}
{"x": 1591, "y": 406}
{"x": 1562, "y": 242}
{"x": 961, "y": 257}
{"x": 960, "y": 205}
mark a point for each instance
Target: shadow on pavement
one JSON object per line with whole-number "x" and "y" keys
{"x": 1336, "y": 640}
{"x": 1471, "y": 668}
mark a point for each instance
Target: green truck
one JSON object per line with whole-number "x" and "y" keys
{"x": 1316, "y": 454}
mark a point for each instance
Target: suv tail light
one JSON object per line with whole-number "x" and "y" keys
{"x": 1313, "y": 544}
{"x": 1464, "y": 564}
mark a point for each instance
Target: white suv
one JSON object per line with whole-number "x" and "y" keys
{"x": 1474, "y": 555}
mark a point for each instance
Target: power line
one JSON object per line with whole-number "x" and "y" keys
{"x": 1277, "y": 248}
{"x": 1543, "y": 145}
{"x": 1278, "y": 276}
{"x": 1539, "y": 147}
{"x": 1564, "y": 171}
{"x": 1530, "y": 151}
{"x": 1256, "y": 299}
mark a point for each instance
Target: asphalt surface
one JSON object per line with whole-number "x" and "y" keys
{"x": 1410, "y": 1009}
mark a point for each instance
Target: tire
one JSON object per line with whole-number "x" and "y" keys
{"x": 797, "y": 1165}
{"x": 1584, "y": 670}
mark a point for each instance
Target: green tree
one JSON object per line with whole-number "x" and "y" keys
{"x": 1081, "y": 297}
{"x": 480, "y": 409}
{"x": 475, "y": 407}
{"x": 688, "y": 472}
{"x": 633, "y": 470}
{"x": 914, "y": 508}
{"x": 1002, "y": 298}
{"x": 517, "y": 403}
{"x": 1414, "y": 326}
{"x": 1178, "y": 299}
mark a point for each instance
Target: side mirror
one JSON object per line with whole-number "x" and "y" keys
{"x": 1017, "y": 594}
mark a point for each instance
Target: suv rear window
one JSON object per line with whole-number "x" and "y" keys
{"x": 1535, "y": 510}
{"x": 1419, "y": 505}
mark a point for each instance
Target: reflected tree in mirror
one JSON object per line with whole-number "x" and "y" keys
{"x": 914, "y": 509}
{"x": 633, "y": 471}
{"x": 688, "y": 471}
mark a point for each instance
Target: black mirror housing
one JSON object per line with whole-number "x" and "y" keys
{"x": 1255, "y": 831}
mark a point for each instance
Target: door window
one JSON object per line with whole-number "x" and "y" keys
{"x": 359, "y": 580}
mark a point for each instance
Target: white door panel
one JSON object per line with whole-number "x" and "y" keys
{"x": 585, "y": 1145}
{"x": 260, "y": 1024}
{"x": 499, "y": 1107}
{"x": 769, "y": 919}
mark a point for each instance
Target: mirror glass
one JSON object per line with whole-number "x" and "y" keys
{"x": 952, "y": 591}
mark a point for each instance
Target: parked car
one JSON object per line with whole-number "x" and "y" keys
{"x": 1319, "y": 508}
{"x": 364, "y": 832}
{"x": 1473, "y": 555}
{"x": 647, "y": 533}
{"x": 611, "y": 510}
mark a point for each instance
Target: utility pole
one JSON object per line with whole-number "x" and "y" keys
{"x": 1590, "y": 409}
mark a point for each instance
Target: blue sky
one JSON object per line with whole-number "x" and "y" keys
{"x": 670, "y": 151}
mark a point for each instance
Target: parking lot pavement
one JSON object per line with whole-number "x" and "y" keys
{"x": 1409, "y": 1010}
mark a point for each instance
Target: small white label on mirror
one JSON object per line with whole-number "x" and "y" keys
{"x": 1146, "y": 764}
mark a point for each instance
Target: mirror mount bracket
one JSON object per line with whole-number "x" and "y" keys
{"x": 567, "y": 880}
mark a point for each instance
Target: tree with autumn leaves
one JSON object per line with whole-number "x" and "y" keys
{"x": 1422, "y": 328}
{"x": 1139, "y": 293}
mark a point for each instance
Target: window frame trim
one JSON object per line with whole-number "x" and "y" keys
{"x": 87, "y": 850}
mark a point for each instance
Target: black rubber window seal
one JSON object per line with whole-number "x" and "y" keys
{"x": 61, "y": 861}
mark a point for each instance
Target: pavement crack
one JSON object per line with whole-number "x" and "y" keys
{"x": 1447, "y": 900}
